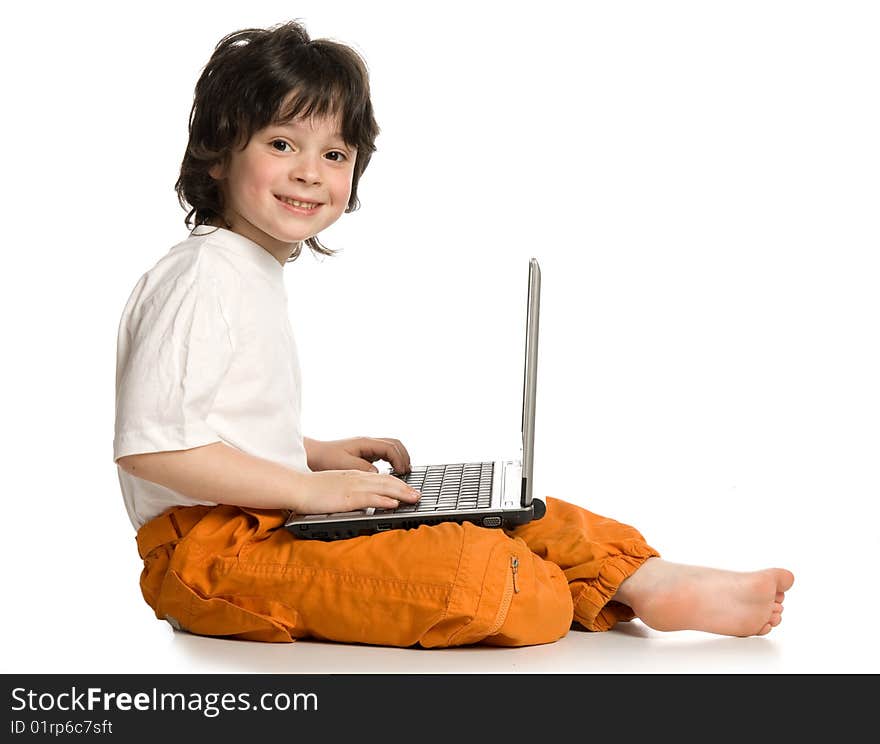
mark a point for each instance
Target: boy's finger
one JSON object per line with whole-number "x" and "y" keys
{"x": 398, "y": 489}
{"x": 397, "y": 455}
{"x": 386, "y": 449}
{"x": 353, "y": 462}
{"x": 364, "y": 465}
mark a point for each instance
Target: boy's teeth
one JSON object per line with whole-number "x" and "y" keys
{"x": 297, "y": 203}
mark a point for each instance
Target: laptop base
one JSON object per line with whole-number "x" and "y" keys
{"x": 507, "y": 519}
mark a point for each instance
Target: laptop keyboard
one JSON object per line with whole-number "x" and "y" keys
{"x": 458, "y": 486}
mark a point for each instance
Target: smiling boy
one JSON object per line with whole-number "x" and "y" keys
{"x": 289, "y": 182}
{"x": 209, "y": 447}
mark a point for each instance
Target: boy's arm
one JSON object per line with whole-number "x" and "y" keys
{"x": 226, "y": 475}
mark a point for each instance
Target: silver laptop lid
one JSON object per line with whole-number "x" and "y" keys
{"x": 530, "y": 376}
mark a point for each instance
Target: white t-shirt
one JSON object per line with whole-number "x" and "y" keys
{"x": 205, "y": 353}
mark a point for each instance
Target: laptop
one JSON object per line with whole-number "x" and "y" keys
{"x": 496, "y": 493}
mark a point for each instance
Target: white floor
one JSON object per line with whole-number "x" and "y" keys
{"x": 631, "y": 649}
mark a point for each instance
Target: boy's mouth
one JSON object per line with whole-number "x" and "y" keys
{"x": 298, "y": 204}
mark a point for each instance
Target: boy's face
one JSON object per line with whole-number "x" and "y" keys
{"x": 290, "y": 182}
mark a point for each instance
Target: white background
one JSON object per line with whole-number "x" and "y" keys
{"x": 699, "y": 181}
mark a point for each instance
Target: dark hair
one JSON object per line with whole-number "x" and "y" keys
{"x": 243, "y": 89}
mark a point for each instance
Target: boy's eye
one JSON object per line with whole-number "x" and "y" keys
{"x": 336, "y": 156}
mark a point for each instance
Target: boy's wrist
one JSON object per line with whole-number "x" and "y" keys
{"x": 298, "y": 489}
{"x": 313, "y": 449}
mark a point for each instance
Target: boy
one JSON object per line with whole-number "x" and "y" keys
{"x": 208, "y": 442}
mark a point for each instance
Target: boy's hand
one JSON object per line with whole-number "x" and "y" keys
{"x": 357, "y": 453}
{"x": 348, "y": 490}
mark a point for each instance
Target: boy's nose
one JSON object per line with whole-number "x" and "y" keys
{"x": 306, "y": 170}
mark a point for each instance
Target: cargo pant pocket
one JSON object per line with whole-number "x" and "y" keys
{"x": 482, "y": 597}
{"x": 249, "y": 618}
{"x": 540, "y": 607}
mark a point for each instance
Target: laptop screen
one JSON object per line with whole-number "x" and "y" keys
{"x": 530, "y": 379}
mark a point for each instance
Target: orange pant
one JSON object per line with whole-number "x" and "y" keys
{"x": 234, "y": 572}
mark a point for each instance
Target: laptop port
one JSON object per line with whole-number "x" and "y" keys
{"x": 382, "y": 526}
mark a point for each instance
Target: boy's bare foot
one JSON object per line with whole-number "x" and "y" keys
{"x": 676, "y": 596}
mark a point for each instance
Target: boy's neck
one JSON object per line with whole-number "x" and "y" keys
{"x": 279, "y": 250}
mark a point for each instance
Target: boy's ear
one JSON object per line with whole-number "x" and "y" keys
{"x": 217, "y": 171}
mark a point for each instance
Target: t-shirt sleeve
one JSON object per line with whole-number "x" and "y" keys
{"x": 174, "y": 349}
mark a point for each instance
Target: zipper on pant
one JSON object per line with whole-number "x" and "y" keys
{"x": 510, "y": 588}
